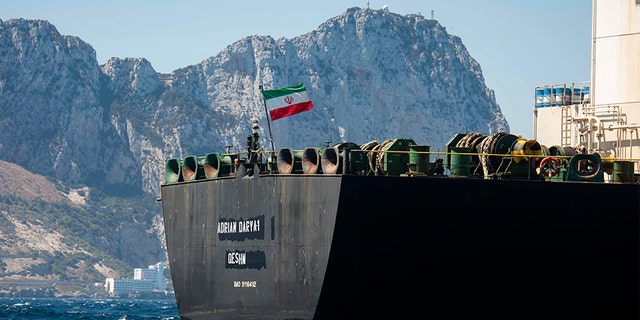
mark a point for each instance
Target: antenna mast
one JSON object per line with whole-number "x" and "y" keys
{"x": 273, "y": 148}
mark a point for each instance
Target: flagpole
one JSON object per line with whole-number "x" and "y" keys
{"x": 266, "y": 111}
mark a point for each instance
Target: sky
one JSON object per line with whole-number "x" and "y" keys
{"x": 519, "y": 44}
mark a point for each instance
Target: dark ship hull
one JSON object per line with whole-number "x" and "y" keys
{"x": 328, "y": 246}
{"x": 499, "y": 227}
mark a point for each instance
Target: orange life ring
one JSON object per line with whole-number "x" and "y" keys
{"x": 549, "y": 167}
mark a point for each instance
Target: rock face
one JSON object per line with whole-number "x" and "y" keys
{"x": 55, "y": 119}
{"x": 371, "y": 74}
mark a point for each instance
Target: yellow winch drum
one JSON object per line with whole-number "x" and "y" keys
{"x": 523, "y": 149}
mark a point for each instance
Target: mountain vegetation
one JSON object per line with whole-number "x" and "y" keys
{"x": 54, "y": 233}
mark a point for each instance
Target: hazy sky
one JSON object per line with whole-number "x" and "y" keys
{"x": 519, "y": 44}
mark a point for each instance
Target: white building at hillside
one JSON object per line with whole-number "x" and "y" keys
{"x": 154, "y": 273}
{"x": 144, "y": 281}
{"x": 123, "y": 287}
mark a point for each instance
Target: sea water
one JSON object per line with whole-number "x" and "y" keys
{"x": 82, "y": 308}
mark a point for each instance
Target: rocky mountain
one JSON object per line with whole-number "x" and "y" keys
{"x": 371, "y": 74}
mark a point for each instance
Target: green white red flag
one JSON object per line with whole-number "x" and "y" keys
{"x": 287, "y": 101}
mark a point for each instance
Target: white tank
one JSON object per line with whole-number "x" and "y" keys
{"x": 615, "y": 56}
{"x": 615, "y": 74}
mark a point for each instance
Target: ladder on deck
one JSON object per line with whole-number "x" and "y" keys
{"x": 565, "y": 126}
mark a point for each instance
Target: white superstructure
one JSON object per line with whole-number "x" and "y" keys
{"x": 601, "y": 115}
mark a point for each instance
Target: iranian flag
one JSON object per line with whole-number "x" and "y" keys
{"x": 288, "y": 101}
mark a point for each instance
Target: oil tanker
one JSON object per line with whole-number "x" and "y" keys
{"x": 495, "y": 226}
